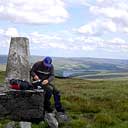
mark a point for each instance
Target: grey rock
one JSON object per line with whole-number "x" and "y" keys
{"x": 51, "y": 120}
{"x": 22, "y": 105}
{"x": 10, "y": 125}
{"x": 25, "y": 124}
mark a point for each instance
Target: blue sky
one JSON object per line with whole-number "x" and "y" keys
{"x": 67, "y": 28}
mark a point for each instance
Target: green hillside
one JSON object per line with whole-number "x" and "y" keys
{"x": 92, "y": 104}
{"x": 89, "y": 68}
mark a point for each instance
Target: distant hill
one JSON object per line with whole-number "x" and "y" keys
{"x": 84, "y": 67}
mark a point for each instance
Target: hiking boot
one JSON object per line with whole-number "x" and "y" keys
{"x": 61, "y": 117}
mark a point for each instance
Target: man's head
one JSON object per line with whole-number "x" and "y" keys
{"x": 47, "y": 61}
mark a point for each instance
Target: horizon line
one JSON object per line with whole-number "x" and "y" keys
{"x": 78, "y": 57}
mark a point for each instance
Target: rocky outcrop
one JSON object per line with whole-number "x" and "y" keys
{"x": 22, "y": 105}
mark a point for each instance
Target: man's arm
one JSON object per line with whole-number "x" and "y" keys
{"x": 33, "y": 70}
{"x": 51, "y": 76}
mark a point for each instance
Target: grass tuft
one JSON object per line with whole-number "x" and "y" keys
{"x": 103, "y": 118}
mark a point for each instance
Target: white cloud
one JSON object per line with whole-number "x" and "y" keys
{"x": 88, "y": 29}
{"x": 5, "y": 36}
{"x": 64, "y": 42}
{"x": 98, "y": 27}
{"x": 1, "y": 31}
{"x": 4, "y": 43}
{"x": 76, "y": 2}
{"x": 109, "y": 24}
{"x": 125, "y": 29}
{"x": 57, "y": 45}
{"x": 33, "y": 11}
{"x": 77, "y": 43}
{"x": 115, "y": 45}
{"x": 118, "y": 40}
{"x": 115, "y": 10}
{"x": 111, "y": 12}
{"x": 11, "y": 32}
{"x": 88, "y": 48}
{"x": 110, "y": 17}
{"x": 57, "y": 41}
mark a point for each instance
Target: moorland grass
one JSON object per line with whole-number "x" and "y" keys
{"x": 92, "y": 103}
{"x": 101, "y": 104}
{"x": 2, "y": 76}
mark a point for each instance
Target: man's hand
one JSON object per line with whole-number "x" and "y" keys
{"x": 45, "y": 82}
{"x": 36, "y": 77}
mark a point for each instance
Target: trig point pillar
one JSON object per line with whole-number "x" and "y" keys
{"x": 18, "y": 66}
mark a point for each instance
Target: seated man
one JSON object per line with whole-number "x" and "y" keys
{"x": 44, "y": 71}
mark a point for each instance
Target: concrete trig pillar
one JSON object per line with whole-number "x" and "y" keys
{"x": 18, "y": 66}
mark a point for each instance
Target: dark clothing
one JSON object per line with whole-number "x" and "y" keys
{"x": 47, "y": 73}
{"x": 42, "y": 71}
{"x": 56, "y": 95}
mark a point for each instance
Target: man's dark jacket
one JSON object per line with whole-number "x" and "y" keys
{"x": 42, "y": 71}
